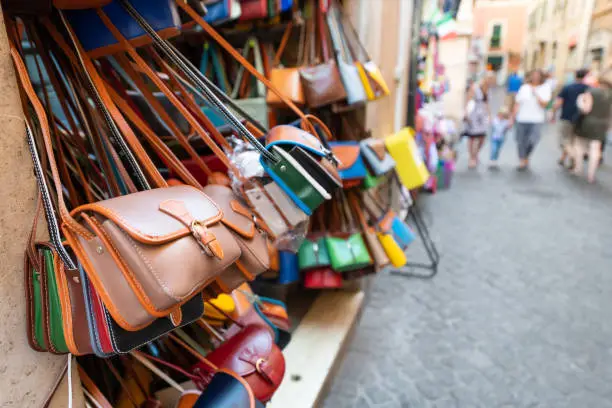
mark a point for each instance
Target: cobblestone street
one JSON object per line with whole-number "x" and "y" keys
{"x": 520, "y": 312}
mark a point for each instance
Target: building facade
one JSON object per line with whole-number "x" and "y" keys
{"x": 599, "y": 48}
{"x": 557, "y": 36}
{"x": 500, "y": 28}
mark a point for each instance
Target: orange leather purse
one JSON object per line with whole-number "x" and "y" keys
{"x": 286, "y": 80}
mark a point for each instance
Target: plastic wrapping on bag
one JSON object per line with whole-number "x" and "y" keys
{"x": 286, "y": 222}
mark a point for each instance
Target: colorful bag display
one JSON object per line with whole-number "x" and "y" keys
{"x": 409, "y": 164}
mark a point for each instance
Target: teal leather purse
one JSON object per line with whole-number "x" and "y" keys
{"x": 313, "y": 253}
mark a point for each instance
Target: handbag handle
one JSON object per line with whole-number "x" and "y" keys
{"x": 342, "y": 19}
{"x": 140, "y": 356}
{"x": 306, "y": 125}
{"x": 170, "y": 52}
{"x": 194, "y": 353}
{"x": 144, "y": 359}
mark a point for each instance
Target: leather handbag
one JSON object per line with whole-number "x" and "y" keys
{"x": 378, "y": 253}
{"x": 355, "y": 93}
{"x": 223, "y": 11}
{"x": 98, "y": 41}
{"x": 401, "y": 232}
{"x": 113, "y": 236}
{"x": 322, "y": 278}
{"x": 289, "y": 269}
{"x": 253, "y": 243}
{"x": 286, "y": 79}
{"x": 253, "y": 9}
{"x": 392, "y": 249}
{"x": 375, "y": 153}
{"x": 321, "y": 81}
{"x": 370, "y": 182}
{"x": 351, "y": 166}
{"x": 410, "y": 167}
{"x": 313, "y": 253}
{"x": 371, "y": 77}
{"x": 346, "y": 247}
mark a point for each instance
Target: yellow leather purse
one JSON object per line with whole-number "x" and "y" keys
{"x": 409, "y": 165}
{"x": 394, "y": 252}
{"x": 222, "y": 302}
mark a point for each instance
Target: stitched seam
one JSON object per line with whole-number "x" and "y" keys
{"x": 149, "y": 266}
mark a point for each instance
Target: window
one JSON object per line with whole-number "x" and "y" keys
{"x": 496, "y": 36}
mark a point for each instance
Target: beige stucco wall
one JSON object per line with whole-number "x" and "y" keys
{"x": 512, "y": 15}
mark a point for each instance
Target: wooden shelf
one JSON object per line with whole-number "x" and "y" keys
{"x": 316, "y": 348}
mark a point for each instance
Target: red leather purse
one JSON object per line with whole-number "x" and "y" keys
{"x": 322, "y": 278}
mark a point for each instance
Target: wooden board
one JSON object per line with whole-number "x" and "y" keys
{"x": 317, "y": 345}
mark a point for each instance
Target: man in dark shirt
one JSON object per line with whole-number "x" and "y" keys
{"x": 566, "y": 100}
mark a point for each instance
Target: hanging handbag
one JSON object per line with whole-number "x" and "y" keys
{"x": 375, "y": 153}
{"x": 223, "y": 11}
{"x": 351, "y": 166}
{"x": 321, "y": 81}
{"x": 355, "y": 92}
{"x": 289, "y": 269}
{"x": 288, "y": 172}
{"x": 371, "y": 77}
{"x": 347, "y": 249}
{"x": 98, "y": 41}
{"x": 313, "y": 252}
{"x": 409, "y": 166}
{"x": 322, "y": 278}
{"x": 114, "y": 234}
{"x": 379, "y": 256}
{"x": 401, "y": 232}
{"x": 253, "y": 9}
{"x": 286, "y": 80}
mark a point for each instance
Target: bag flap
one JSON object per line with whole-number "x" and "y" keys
{"x": 288, "y": 136}
{"x": 346, "y": 152}
{"x": 235, "y": 215}
{"x": 141, "y": 216}
{"x": 378, "y": 147}
{"x": 252, "y": 346}
{"x": 386, "y": 222}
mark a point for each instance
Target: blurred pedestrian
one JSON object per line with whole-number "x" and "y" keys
{"x": 530, "y": 116}
{"x": 566, "y": 100}
{"x": 499, "y": 128}
{"x": 513, "y": 84}
{"x": 595, "y": 105}
{"x": 477, "y": 117}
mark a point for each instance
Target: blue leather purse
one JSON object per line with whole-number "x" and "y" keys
{"x": 222, "y": 11}
{"x": 98, "y": 41}
{"x": 402, "y": 232}
{"x": 285, "y": 5}
{"x": 227, "y": 389}
{"x": 378, "y": 159}
{"x": 289, "y": 271}
{"x": 351, "y": 166}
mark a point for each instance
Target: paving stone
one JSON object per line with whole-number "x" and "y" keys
{"x": 518, "y": 315}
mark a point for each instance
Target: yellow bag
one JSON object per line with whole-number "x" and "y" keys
{"x": 409, "y": 165}
{"x": 393, "y": 250}
{"x": 223, "y": 302}
{"x": 365, "y": 81}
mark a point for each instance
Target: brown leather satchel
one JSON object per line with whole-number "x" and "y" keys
{"x": 286, "y": 80}
{"x": 129, "y": 245}
{"x": 321, "y": 81}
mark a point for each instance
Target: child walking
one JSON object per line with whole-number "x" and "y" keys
{"x": 499, "y": 127}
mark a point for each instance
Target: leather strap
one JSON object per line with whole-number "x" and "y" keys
{"x": 107, "y": 106}
{"x": 55, "y": 386}
{"x": 283, "y": 44}
{"x": 166, "y": 364}
{"x": 191, "y": 351}
{"x": 306, "y": 125}
{"x": 93, "y": 390}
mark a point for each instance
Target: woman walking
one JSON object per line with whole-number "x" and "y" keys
{"x": 530, "y": 115}
{"x": 592, "y": 127}
{"x": 477, "y": 117}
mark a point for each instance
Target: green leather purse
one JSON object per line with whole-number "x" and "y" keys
{"x": 348, "y": 253}
{"x": 371, "y": 181}
{"x": 38, "y": 323}
{"x": 313, "y": 254}
{"x": 54, "y": 307}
